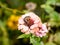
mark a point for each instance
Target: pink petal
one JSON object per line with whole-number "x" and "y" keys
{"x": 20, "y": 21}
{"x": 34, "y": 26}
{"x": 23, "y": 28}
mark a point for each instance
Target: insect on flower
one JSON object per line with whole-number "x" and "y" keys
{"x": 28, "y": 21}
{"x": 31, "y": 23}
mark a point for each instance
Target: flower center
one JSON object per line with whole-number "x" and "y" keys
{"x": 28, "y": 21}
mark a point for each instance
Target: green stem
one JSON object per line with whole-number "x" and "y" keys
{"x": 5, "y": 39}
{"x": 5, "y": 36}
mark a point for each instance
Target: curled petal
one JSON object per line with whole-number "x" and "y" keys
{"x": 23, "y": 28}
{"x": 40, "y": 34}
{"x": 20, "y": 21}
{"x": 44, "y": 28}
{"x": 27, "y": 32}
{"x": 34, "y": 30}
{"x": 34, "y": 26}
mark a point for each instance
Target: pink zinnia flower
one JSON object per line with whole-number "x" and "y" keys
{"x": 31, "y": 23}
{"x": 42, "y": 32}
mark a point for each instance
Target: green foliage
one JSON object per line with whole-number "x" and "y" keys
{"x": 35, "y": 40}
{"x": 53, "y": 15}
{"x": 5, "y": 39}
{"x": 24, "y": 36}
{"x": 54, "y": 19}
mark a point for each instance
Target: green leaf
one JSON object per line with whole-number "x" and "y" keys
{"x": 24, "y": 36}
{"x": 54, "y": 19}
{"x": 35, "y": 40}
{"x": 47, "y": 8}
{"x": 51, "y": 1}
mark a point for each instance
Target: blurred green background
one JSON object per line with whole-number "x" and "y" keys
{"x": 11, "y": 10}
